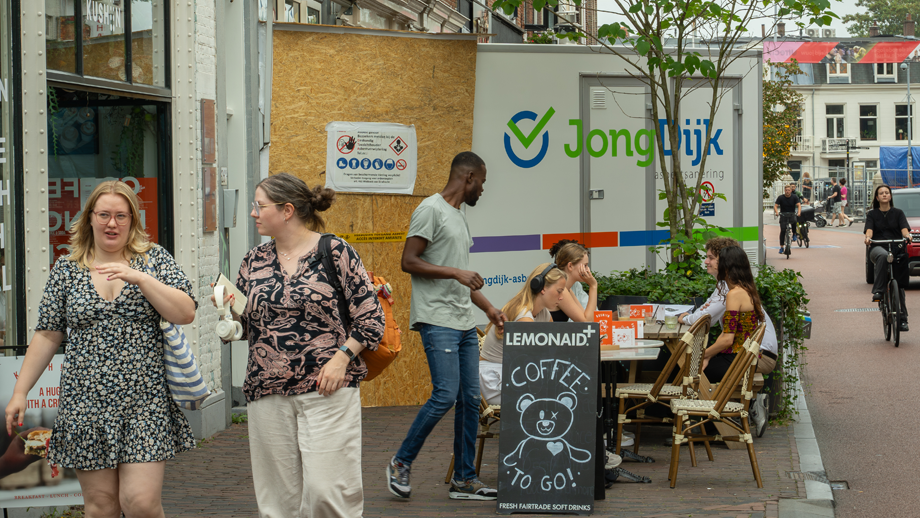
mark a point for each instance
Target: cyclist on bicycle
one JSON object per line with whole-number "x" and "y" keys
{"x": 885, "y": 222}
{"x": 787, "y": 203}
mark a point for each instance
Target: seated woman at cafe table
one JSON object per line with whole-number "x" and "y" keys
{"x": 743, "y": 312}
{"x": 715, "y": 306}
{"x": 576, "y": 306}
{"x": 541, "y": 294}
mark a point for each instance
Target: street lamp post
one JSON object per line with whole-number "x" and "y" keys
{"x": 910, "y": 112}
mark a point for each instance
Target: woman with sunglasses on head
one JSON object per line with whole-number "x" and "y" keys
{"x": 544, "y": 290}
{"x": 304, "y": 370}
{"x": 572, "y": 259}
{"x": 117, "y": 423}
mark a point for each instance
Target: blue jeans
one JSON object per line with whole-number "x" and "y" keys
{"x": 453, "y": 359}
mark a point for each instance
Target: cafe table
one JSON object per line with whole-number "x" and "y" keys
{"x": 644, "y": 349}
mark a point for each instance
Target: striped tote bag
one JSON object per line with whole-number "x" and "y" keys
{"x": 185, "y": 383}
{"x": 187, "y": 387}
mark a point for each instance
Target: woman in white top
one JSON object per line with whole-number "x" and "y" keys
{"x": 576, "y": 306}
{"x": 527, "y": 306}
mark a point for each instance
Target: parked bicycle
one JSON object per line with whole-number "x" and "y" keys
{"x": 890, "y": 304}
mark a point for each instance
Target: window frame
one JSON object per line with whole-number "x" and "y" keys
{"x": 843, "y": 117}
{"x": 866, "y": 117}
{"x": 885, "y": 77}
{"x": 910, "y": 120}
{"x": 78, "y": 78}
{"x": 837, "y": 75}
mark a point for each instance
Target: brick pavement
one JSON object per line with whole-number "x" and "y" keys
{"x": 220, "y": 481}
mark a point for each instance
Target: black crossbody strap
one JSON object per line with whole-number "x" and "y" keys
{"x": 325, "y": 250}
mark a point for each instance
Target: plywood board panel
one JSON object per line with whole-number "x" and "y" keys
{"x": 426, "y": 82}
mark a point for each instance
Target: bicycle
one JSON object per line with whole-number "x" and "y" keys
{"x": 785, "y": 220}
{"x": 890, "y": 305}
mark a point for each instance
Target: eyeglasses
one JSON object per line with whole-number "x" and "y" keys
{"x": 121, "y": 218}
{"x": 256, "y": 206}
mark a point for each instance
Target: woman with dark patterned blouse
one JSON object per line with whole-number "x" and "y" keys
{"x": 743, "y": 312}
{"x": 304, "y": 366}
{"x": 117, "y": 423}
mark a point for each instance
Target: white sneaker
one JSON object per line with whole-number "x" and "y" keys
{"x": 613, "y": 460}
{"x": 758, "y": 413}
{"x": 629, "y": 434}
{"x": 627, "y": 441}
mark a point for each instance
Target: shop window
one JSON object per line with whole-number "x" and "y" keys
{"x": 93, "y": 138}
{"x": 119, "y": 40}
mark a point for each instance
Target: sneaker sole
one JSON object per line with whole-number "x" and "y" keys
{"x": 468, "y": 496}
{"x": 390, "y": 487}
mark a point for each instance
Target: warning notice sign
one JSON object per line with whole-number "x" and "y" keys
{"x": 378, "y": 157}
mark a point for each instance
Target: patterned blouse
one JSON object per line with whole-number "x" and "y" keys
{"x": 293, "y": 322}
{"x": 743, "y": 324}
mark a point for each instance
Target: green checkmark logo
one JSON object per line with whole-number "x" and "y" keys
{"x": 528, "y": 139}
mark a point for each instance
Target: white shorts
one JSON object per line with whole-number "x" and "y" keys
{"x": 490, "y": 381}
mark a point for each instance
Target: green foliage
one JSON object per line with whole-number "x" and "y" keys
{"x": 239, "y": 418}
{"x": 672, "y": 286}
{"x": 542, "y": 37}
{"x": 128, "y": 156}
{"x": 784, "y": 298}
{"x": 779, "y": 127}
{"x": 890, "y": 15}
{"x": 75, "y": 511}
{"x": 683, "y": 252}
{"x": 781, "y": 293}
{"x": 53, "y": 108}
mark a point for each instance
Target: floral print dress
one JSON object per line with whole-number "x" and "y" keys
{"x": 743, "y": 324}
{"x": 115, "y": 406}
{"x": 293, "y": 322}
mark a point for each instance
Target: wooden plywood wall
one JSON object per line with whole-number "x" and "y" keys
{"x": 321, "y": 77}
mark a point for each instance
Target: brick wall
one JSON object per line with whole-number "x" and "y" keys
{"x": 209, "y": 361}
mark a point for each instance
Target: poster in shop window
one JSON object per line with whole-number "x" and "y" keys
{"x": 548, "y": 441}
{"x": 26, "y": 478}
{"x": 375, "y": 157}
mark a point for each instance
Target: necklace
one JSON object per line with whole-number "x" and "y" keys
{"x": 291, "y": 255}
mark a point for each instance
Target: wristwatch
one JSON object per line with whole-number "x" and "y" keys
{"x": 346, "y": 350}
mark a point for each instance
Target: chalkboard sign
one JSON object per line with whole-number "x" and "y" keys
{"x": 548, "y": 440}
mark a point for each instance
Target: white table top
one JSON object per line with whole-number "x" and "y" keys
{"x": 648, "y": 353}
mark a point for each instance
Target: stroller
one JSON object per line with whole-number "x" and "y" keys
{"x": 818, "y": 217}
{"x": 804, "y": 221}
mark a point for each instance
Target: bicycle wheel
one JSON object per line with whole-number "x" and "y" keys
{"x": 788, "y": 242}
{"x": 895, "y": 311}
{"x": 886, "y": 316}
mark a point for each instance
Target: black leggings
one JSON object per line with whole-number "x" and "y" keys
{"x": 718, "y": 366}
{"x": 782, "y": 228}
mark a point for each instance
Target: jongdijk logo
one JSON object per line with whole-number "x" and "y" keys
{"x": 528, "y": 139}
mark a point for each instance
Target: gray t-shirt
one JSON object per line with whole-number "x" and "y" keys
{"x": 441, "y": 302}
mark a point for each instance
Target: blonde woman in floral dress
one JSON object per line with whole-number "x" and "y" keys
{"x": 117, "y": 423}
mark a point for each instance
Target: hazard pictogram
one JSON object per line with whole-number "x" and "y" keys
{"x": 346, "y": 144}
{"x": 399, "y": 145}
{"x": 400, "y": 164}
{"x": 707, "y": 191}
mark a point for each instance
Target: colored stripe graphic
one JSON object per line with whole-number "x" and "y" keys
{"x": 591, "y": 239}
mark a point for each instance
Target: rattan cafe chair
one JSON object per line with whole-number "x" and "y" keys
{"x": 644, "y": 395}
{"x": 735, "y": 415}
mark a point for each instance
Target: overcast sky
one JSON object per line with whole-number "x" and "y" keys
{"x": 841, "y": 9}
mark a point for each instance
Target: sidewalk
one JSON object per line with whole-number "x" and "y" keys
{"x": 215, "y": 479}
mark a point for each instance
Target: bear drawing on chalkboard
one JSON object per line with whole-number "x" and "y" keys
{"x": 545, "y": 423}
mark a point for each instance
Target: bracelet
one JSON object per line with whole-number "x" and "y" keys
{"x": 346, "y": 350}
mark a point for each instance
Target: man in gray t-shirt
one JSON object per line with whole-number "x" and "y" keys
{"x": 437, "y": 254}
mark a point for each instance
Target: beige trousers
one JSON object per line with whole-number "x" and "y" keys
{"x": 306, "y": 455}
{"x": 765, "y": 365}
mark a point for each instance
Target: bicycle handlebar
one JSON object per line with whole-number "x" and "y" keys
{"x": 887, "y": 241}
